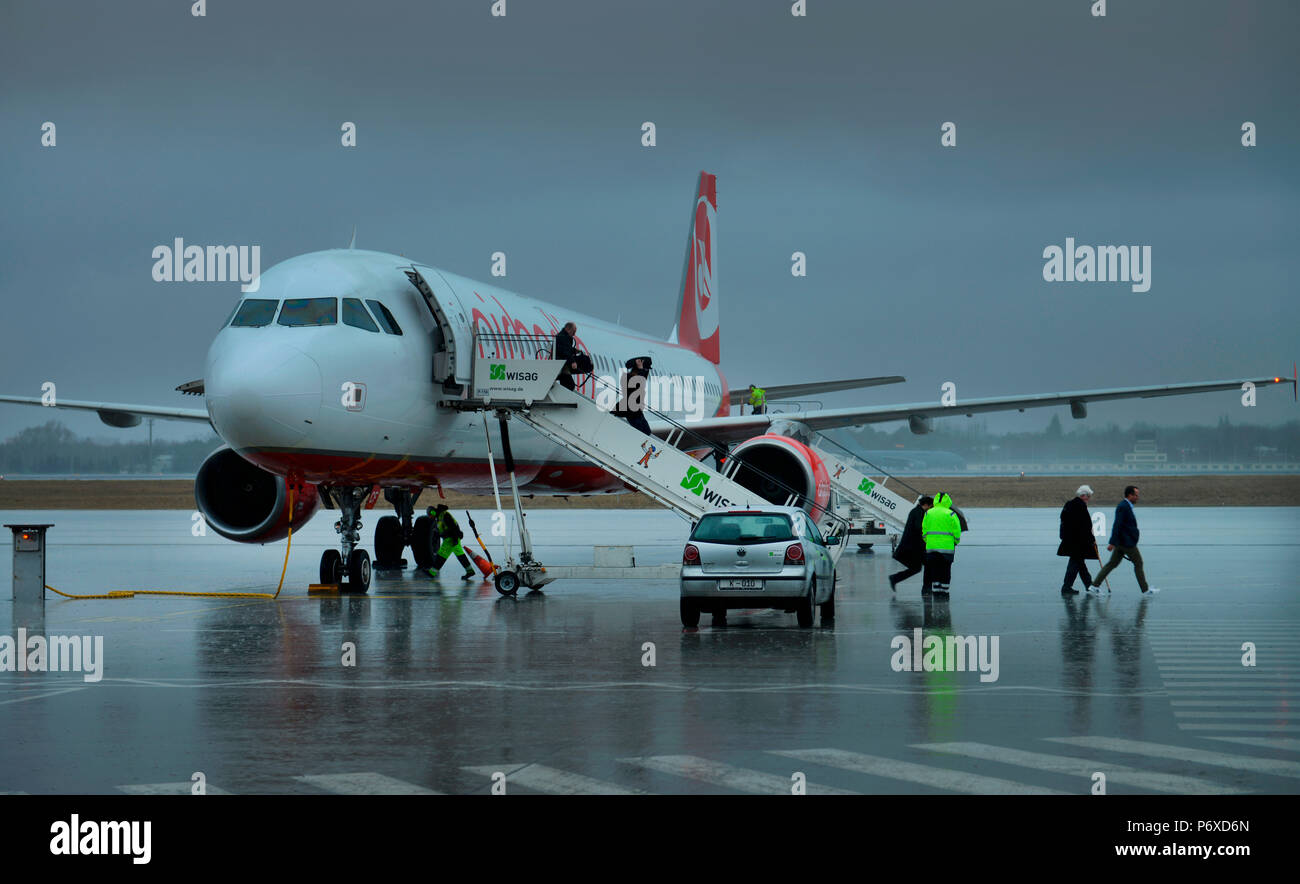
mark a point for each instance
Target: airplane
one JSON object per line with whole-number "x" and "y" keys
{"x": 330, "y": 379}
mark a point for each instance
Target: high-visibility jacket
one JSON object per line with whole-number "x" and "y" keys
{"x": 941, "y": 528}
{"x": 758, "y": 398}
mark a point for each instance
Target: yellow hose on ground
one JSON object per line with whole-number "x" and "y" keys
{"x": 128, "y": 593}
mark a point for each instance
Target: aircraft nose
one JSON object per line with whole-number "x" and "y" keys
{"x": 263, "y": 397}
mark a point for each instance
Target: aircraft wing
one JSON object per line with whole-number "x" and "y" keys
{"x": 736, "y": 428}
{"x": 117, "y": 414}
{"x": 793, "y": 391}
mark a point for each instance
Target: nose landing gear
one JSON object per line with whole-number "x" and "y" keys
{"x": 348, "y": 566}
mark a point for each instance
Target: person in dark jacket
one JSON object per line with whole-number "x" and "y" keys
{"x": 910, "y": 552}
{"x": 1077, "y": 542}
{"x": 636, "y": 389}
{"x": 566, "y": 349}
{"x": 1124, "y": 542}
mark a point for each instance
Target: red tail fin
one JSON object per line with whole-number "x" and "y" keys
{"x": 697, "y": 308}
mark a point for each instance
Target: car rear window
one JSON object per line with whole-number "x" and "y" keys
{"x": 743, "y": 528}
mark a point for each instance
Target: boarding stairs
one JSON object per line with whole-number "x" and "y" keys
{"x": 865, "y": 502}
{"x": 525, "y": 390}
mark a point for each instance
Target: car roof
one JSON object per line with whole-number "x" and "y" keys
{"x": 767, "y": 510}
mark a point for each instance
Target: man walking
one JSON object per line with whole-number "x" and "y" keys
{"x": 566, "y": 349}
{"x": 757, "y": 400}
{"x": 451, "y": 535}
{"x": 1077, "y": 542}
{"x": 910, "y": 552}
{"x": 942, "y": 532}
{"x": 1124, "y": 542}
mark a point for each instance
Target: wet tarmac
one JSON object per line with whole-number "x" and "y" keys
{"x": 453, "y": 684}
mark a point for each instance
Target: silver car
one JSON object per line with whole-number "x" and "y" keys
{"x": 770, "y": 557}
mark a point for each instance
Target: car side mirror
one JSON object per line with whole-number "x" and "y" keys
{"x": 834, "y": 541}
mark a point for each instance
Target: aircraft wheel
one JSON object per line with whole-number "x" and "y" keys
{"x": 359, "y": 571}
{"x": 388, "y": 542}
{"x": 424, "y": 542}
{"x": 331, "y": 566}
{"x": 507, "y": 582}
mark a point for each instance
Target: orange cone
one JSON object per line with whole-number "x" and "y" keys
{"x": 484, "y": 565}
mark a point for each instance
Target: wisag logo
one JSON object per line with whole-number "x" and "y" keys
{"x": 497, "y": 373}
{"x": 695, "y": 480}
{"x": 866, "y": 486}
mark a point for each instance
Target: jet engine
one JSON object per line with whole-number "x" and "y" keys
{"x": 243, "y": 502}
{"x": 789, "y": 462}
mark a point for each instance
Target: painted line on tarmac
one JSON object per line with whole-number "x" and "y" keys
{"x": 1084, "y": 768}
{"x": 938, "y": 777}
{"x": 1285, "y": 743}
{"x": 1262, "y": 701}
{"x": 1193, "y": 713}
{"x": 40, "y": 696}
{"x": 715, "y": 773}
{"x": 1270, "y": 766}
{"x": 168, "y": 789}
{"x": 364, "y": 783}
{"x": 552, "y": 781}
{"x": 1261, "y": 728}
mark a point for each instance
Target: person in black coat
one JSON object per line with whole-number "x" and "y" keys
{"x": 1077, "y": 542}
{"x": 566, "y": 349}
{"x": 910, "y": 552}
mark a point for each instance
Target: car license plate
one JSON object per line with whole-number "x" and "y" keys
{"x": 741, "y": 583}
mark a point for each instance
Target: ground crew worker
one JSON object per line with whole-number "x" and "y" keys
{"x": 942, "y": 532}
{"x": 566, "y": 349}
{"x": 1124, "y": 542}
{"x": 449, "y": 531}
{"x": 911, "y": 548}
{"x": 757, "y": 400}
{"x": 1077, "y": 542}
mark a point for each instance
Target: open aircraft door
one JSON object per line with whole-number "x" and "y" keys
{"x": 453, "y": 358}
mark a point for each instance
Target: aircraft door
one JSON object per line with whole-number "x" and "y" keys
{"x": 453, "y": 360}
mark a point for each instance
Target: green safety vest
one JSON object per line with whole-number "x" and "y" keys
{"x": 941, "y": 528}
{"x": 758, "y": 398}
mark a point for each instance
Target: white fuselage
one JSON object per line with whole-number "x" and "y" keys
{"x": 276, "y": 393}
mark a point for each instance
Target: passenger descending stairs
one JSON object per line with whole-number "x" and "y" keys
{"x": 651, "y": 465}
{"x": 860, "y": 489}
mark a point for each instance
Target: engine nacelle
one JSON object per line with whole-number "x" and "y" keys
{"x": 788, "y": 461}
{"x": 919, "y": 424}
{"x": 243, "y": 502}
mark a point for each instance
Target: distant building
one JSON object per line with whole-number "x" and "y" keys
{"x": 1145, "y": 452}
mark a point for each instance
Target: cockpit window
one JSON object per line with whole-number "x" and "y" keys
{"x": 309, "y": 311}
{"x": 254, "y": 313}
{"x": 385, "y": 318}
{"x": 356, "y": 316}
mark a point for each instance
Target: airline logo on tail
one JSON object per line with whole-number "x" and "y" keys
{"x": 698, "y": 324}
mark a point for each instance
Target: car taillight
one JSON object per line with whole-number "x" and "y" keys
{"x": 690, "y": 555}
{"x": 794, "y": 554}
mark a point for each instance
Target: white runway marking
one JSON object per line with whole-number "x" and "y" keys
{"x": 364, "y": 783}
{"x": 38, "y": 696}
{"x": 1260, "y": 728}
{"x": 1262, "y": 701}
{"x": 167, "y": 789}
{"x": 541, "y": 778}
{"x": 718, "y": 774}
{"x": 1084, "y": 768}
{"x": 1198, "y": 713}
{"x": 938, "y": 777}
{"x": 1286, "y": 743}
{"x": 1271, "y": 766}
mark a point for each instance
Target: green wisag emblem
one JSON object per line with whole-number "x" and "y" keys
{"x": 497, "y": 373}
{"x": 866, "y": 486}
{"x": 695, "y": 480}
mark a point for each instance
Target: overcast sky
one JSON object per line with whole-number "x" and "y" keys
{"x": 523, "y": 134}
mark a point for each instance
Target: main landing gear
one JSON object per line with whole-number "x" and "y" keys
{"x": 348, "y": 566}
